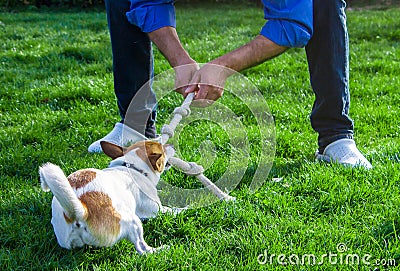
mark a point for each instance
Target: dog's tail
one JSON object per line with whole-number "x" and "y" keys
{"x": 53, "y": 179}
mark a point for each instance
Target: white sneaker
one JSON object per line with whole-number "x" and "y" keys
{"x": 345, "y": 152}
{"x": 120, "y": 135}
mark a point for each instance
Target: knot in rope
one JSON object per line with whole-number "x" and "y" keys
{"x": 184, "y": 112}
{"x": 189, "y": 168}
{"x": 167, "y": 130}
{"x": 194, "y": 169}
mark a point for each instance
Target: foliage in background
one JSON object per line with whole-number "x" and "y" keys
{"x": 51, "y": 3}
{"x": 100, "y": 3}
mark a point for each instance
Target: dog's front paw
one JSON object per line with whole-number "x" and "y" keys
{"x": 173, "y": 211}
{"x": 163, "y": 247}
{"x": 229, "y": 198}
{"x": 154, "y": 249}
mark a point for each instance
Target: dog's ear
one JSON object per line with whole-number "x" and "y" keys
{"x": 111, "y": 150}
{"x": 157, "y": 161}
{"x": 156, "y": 155}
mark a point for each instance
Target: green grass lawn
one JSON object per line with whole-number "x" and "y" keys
{"x": 56, "y": 97}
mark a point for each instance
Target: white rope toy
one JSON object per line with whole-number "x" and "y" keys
{"x": 189, "y": 168}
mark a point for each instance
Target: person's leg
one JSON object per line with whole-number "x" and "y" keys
{"x": 132, "y": 64}
{"x": 133, "y": 70}
{"x": 328, "y": 61}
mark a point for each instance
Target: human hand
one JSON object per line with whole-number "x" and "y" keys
{"x": 208, "y": 83}
{"x": 183, "y": 76}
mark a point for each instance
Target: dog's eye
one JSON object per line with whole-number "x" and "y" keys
{"x": 77, "y": 224}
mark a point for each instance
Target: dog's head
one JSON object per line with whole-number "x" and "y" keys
{"x": 153, "y": 153}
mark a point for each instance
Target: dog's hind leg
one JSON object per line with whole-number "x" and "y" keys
{"x": 135, "y": 235}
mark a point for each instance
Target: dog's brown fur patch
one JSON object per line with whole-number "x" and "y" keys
{"x": 81, "y": 178}
{"x": 67, "y": 219}
{"x": 102, "y": 219}
{"x": 151, "y": 152}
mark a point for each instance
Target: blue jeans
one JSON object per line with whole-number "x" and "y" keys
{"x": 328, "y": 61}
{"x": 132, "y": 68}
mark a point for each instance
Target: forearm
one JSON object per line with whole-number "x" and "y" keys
{"x": 167, "y": 41}
{"x": 255, "y": 52}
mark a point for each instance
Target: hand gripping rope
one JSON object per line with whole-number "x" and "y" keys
{"x": 189, "y": 168}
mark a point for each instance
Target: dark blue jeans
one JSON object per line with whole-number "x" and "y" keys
{"x": 328, "y": 61}
{"x": 133, "y": 69}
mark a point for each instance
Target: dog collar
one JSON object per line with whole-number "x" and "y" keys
{"x": 132, "y": 166}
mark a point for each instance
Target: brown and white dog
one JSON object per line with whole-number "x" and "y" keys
{"x": 100, "y": 207}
